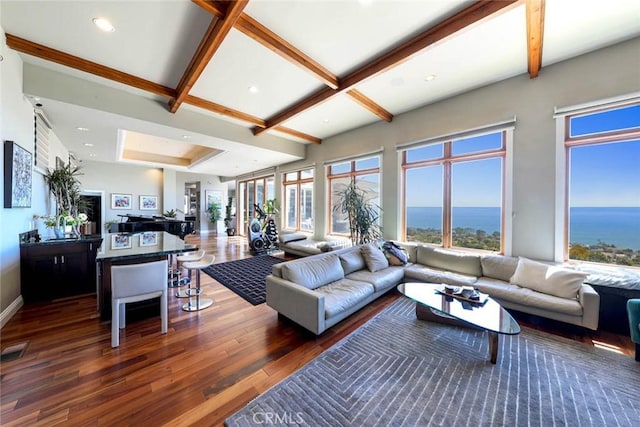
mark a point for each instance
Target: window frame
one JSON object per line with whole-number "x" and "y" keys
{"x": 447, "y": 161}
{"x": 297, "y": 182}
{"x": 351, "y": 175}
{"x": 569, "y": 142}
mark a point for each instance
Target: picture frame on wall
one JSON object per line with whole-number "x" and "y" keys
{"x": 120, "y": 241}
{"x": 148, "y": 203}
{"x": 213, "y": 196}
{"x": 18, "y": 168}
{"x": 148, "y": 238}
{"x": 120, "y": 201}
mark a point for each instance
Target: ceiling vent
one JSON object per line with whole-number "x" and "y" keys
{"x": 44, "y": 118}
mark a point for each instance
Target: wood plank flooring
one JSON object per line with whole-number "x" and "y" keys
{"x": 209, "y": 364}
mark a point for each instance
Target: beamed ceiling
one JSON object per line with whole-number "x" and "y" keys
{"x": 274, "y": 75}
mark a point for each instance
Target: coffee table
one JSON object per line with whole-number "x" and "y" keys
{"x": 488, "y": 316}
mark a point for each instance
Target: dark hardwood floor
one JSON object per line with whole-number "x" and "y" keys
{"x": 208, "y": 365}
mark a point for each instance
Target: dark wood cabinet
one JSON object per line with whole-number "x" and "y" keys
{"x": 52, "y": 270}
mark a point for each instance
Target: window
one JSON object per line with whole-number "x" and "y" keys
{"x": 298, "y": 200}
{"x": 453, "y": 192}
{"x": 41, "y": 142}
{"x": 603, "y": 176}
{"x": 366, "y": 173}
{"x": 252, "y": 192}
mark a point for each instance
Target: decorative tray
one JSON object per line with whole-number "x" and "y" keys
{"x": 463, "y": 293}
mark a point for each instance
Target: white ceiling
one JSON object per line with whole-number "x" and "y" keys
{"x": 156, "y": 39}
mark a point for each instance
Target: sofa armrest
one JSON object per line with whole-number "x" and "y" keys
{"x": 590, "y": 301}
{"x": 302, "y": 305}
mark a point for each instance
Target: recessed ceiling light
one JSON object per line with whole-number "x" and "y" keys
{"x": 88, "y": 144}
{"x": 430, "y": 77}
{"x": 186, "y": 137}
{"x": 81, "y": 129}
{"x": 253, "y": 89}
{"x": 92, "y": 155}
{"x": 104, "y": 25}
{"x": 325, "y": 121}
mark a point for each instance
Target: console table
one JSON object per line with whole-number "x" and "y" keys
{"x": 136, "y": 248}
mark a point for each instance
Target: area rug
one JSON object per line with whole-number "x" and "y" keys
{"x": 396, "y": 371}
{"x": 245, "y": 277}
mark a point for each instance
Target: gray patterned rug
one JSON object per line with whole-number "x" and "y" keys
{"x": 398, "y": 371}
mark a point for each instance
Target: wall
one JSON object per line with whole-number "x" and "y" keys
{"x": 207, "y": 182}
{"x": 16, "y": 124}
{"x": 122, "y": 178}
{"x": 598, "y": 75}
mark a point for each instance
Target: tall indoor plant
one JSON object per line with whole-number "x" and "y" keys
{"x": 64, "y": 186}
{"x": 362, "y": 215}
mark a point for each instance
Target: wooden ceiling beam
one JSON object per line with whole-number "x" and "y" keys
{"x": 476, "y": 12}
{"x": 258, "y": 32}
{"x": 216, "y": 8}
{"x": 71, "y": 61}
{"x": 367, "y": 103}
{"x": 216, "y": 33}
{"x": 535, "y": 35}
{"x": 68, "y": 60}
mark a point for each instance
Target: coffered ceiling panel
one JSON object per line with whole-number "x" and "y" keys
{"x": 153, "y": 40}
{"x": 461, "y": 64}
{"x": 343, "y": 35}
{"x": 240, "y": 64}
{"x": 332, "y": 117}
{"x": 578, "y": 26}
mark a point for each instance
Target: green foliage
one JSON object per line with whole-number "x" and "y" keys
{"x": 227, "y": 212}
{"x": 362, "y": 215}
{"x": 214, "y": 212}
{"x": 64, "y": 185}
{"x": 170, "y": 214}
{"x": 271, "y": 207}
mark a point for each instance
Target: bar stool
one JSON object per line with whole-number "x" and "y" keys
{"x": 172, "y": 277}
{"x": 194, "y": 294}
{"x": 181, "y": 259}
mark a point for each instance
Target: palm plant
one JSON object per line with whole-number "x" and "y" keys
{"x": 363, "y": 216}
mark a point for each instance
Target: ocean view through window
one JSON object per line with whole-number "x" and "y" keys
{"x": 454, "y": 192}
{"x": 603, "y": 204}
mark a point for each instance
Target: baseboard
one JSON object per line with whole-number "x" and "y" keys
{"x": 8, "y": 312}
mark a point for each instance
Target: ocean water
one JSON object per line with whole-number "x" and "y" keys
{"x": 612, "y": 225}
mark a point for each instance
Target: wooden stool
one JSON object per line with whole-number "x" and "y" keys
{"x": 181, "y": 259}
{"x": 195, "y": 302}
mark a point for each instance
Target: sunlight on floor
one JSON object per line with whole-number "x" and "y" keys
{"x": 605, "y": 346}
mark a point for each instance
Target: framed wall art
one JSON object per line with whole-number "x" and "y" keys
{"x": 121, "y": 241}
{"x": 148, "y": 203}
{"x": 148, "y": 238}
{"x": 120, "y": 201}
{"x": 18, "y": 167}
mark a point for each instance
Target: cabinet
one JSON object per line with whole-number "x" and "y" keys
{"x": 58, "y": 269}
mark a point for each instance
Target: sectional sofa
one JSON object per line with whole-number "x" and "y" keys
{"x": 320, "y": 290}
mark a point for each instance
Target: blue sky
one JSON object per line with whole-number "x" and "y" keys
{"x": 601, "y": 175}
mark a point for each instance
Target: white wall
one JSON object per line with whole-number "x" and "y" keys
{"x": 207, "y": 182}
{"x": 599, "y": 75}
{"x": 123, "y": 179}
{"x": 16, "y": 124}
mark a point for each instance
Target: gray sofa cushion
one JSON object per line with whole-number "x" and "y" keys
{"x": 454, "y": 261}
{"x": 313, "y": 272}
{"x": 498, "y": 266}
{"x": 381, "y": 279}
{"x": 286, "y": 237}
{"x": 352, "y": 261}
{"x": 421, "y": 273}
{"x": 342, "y": 295}
{"x": 528, "y": 297}
{"x": 374, "y": 257}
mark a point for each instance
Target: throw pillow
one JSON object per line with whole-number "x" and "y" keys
{"x": 549, "y": 279}
{"x": 374, "y": 257}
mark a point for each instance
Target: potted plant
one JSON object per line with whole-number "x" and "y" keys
{"x": 228, "y": 217}
{"x": 362, "y": 215}
{"x": 64, "y": 186}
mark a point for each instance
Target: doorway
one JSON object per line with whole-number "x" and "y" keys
{"x": 93, "y": 200}
{"x": 192, "y": 203}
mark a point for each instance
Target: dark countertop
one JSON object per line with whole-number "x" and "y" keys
{"x": 117, "y": 246}
{"x": 25, "y": 240}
